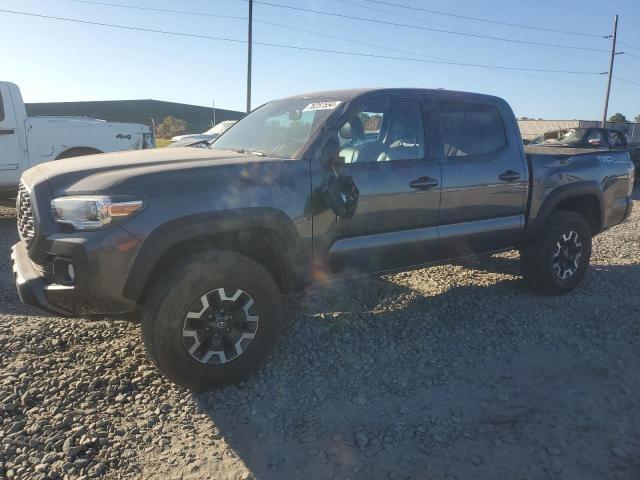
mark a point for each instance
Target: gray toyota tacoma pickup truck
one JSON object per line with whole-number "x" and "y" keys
{"x": 305, "y": 190}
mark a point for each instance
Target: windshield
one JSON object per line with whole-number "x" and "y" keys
{"x": 219, "y": 128}
{"x": 567, "y": 136}
{"x": 280, "y": 128}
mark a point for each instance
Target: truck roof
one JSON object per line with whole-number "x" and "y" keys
{"x": 349, "y": 94}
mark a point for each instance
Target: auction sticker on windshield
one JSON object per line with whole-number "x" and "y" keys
{"x": 321, "y": 106}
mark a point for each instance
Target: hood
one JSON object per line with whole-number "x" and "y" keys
{"x": 121, "y": 172}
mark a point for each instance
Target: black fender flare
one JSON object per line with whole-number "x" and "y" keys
{"x": 535, "y": 222}
{"x": 207, "y": 225}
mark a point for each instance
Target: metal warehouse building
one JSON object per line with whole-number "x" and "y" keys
{"x": 198, "y": 118}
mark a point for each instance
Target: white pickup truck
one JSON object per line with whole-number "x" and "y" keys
{"x": 27, "y": 141}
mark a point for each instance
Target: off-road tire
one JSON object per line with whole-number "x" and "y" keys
{"x": 537, "y": 257}
{"x": 169, "y": 302}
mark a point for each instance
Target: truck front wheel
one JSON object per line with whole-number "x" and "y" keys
{"x": 555, "y": 261}
{"x": 211, "y": 320}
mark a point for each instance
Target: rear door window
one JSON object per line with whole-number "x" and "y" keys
{"x": 471, "y": 129}
{"x": 1, "y": 108}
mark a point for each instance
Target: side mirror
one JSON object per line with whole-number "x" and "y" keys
{"x": 341, "y": 195}
{"x": 594, "y": 142}
{"x": 339, "y": 191}
{"x": 330, "y": 156}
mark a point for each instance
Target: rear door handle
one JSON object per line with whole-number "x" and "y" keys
{"x": 424, "y": 183}
{"x": 509, "y": 176}
{"x": 7, "y": 132}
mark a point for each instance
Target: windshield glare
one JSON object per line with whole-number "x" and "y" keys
{"x": 560, "y": 137}
{"x": 280, "y": 128}
{"x": 220, "y": 128}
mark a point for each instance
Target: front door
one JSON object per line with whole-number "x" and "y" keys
{"x": 10, "y": 153}
{"x": 387, "y": 151}
{"x": 485, "y": 178}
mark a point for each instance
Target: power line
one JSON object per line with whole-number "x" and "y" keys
{"x": 630, "y": 55}
{"x": 321, "y": 34}
{"x": 265, "y": 22}
{"x": 627, "y": 81}
{"x": 296, "y": 47}
{"x": 486, "y": 20}
{"x": 415, "y": 18}
{"x": 206, "y": 14}
{"x": 401, "y": 15}
{"x": 628, "y": 45}
{"x": 160, "y": 10}
{"x": 419, "y": 27}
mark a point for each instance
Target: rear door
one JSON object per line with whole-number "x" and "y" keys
{"x": 388, "y": 144}
{"x": 10, "y": 152}
{"x": 484, "y": 176}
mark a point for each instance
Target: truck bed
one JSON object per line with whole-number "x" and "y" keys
{"x": 561, "y": 151}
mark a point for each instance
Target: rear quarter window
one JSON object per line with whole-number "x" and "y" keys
{"x": 471, "y": 129}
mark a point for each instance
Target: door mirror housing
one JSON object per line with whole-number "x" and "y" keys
{"x": 339, "y": 191}
{"x": 330, "y": 156}
{"x": 341, "y": 195}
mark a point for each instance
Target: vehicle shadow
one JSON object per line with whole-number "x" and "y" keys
{"x": 379, "y": 379}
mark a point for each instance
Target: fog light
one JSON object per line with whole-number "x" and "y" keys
{"x": 71, "y": 272}
{"x": 64, "y": 271}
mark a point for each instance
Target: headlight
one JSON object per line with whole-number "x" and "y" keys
{"x": 88, "y": 212}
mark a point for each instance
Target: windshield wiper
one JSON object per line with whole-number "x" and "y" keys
{"x": 230, "y": 149}
{"x": 258, "y": 153}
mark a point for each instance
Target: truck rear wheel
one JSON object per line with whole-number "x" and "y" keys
{"x": 555, "y": 261}
{"x": 211, "y": 320}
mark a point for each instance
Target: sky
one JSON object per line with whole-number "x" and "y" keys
{"x": 53, "y": 60}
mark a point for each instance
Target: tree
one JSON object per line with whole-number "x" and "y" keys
{"x": 170, "y": 127}
{"x": 637, "y": 119}
{"x": 618, "y": 117}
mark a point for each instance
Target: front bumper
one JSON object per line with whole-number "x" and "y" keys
{"x": 102, "y": 263}
{"x": 33, "y": 287}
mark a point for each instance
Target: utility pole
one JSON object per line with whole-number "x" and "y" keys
{"x": 250, "y": 44}
{"x": 214, "y": 112}
{"x": 613, "y": 54}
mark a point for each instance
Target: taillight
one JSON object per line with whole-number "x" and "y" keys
{"x": 632, "y": 176}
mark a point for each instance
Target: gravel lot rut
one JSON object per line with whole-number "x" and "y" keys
{"x": 450, "y": 372}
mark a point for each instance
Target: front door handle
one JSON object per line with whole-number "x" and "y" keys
{"x": 509, "y": 176}
{"x": 7, "y": 132}
{"x": 424, "y": 183}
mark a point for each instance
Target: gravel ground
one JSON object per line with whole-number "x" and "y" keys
{"x": 446, "y": 372}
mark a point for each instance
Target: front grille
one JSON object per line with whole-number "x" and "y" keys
{"x": 24, "y": 211}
